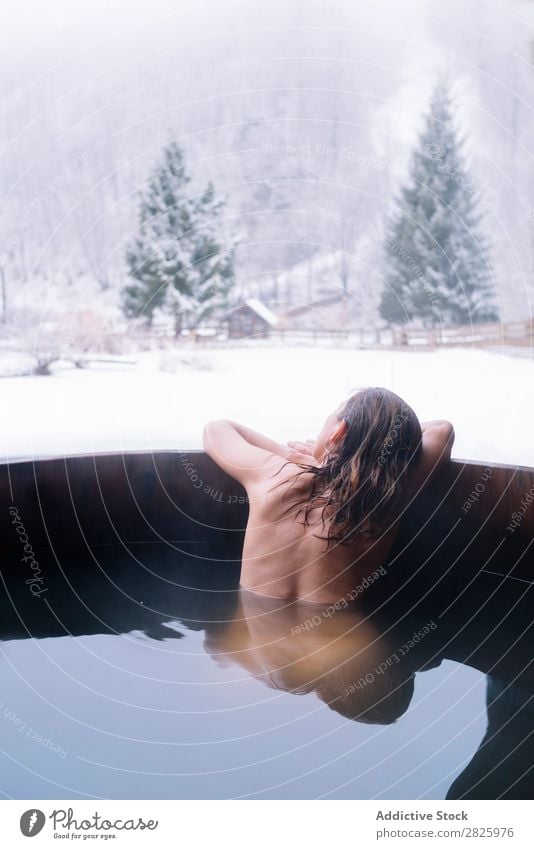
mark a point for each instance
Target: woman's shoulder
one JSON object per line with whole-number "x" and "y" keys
{"x": 280, "y": 481}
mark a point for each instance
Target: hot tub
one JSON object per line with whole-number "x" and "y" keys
{"x": 135, "y": 667}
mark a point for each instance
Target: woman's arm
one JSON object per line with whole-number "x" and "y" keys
{"x": 261, "y": 441}
{"x": 438, "y": 439}
{"x": 245, "y": 454}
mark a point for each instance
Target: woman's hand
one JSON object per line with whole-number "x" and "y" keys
{"x": 438, "y": 439}
{"x": 302, "y": 447}
{"x": 300, "y": 451}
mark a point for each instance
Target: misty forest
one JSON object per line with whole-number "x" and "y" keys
{"x": 159, "y": 172}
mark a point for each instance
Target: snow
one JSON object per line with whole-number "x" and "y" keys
{"x": 285, "y": 392}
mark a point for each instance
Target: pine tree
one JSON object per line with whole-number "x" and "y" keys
{"x": 437, "y": 266}
{"x": 176, "y": 263}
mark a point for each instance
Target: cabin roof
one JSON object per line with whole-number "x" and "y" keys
{"x": 257, "y": 307}
{"x": 260, "y": 309}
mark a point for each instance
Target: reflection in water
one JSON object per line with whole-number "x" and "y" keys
{"x": 363, "y": 673}
{"x": 344, "y": 659}
{"x": 363, "y": 663}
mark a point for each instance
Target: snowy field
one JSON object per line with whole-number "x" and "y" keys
{"x": 284, "y": 392}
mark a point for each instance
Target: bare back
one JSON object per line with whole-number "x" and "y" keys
{"x": 285, "y": 558}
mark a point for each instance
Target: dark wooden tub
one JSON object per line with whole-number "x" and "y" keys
{"x": 473, "y": 516}
{"x": 467, "y": 537}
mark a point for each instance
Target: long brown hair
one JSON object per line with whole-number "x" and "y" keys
{"x": 362, "y": 482}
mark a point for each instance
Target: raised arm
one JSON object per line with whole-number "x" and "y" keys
{"x": 245, "y": 454}
{"x": 438, "y": 439}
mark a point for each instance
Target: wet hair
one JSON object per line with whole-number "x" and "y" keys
{"x": 361, "y": 484}
{"x": 380, "y": 699}
{"x": 380, "y": 704}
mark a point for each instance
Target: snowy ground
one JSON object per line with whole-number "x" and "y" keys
{"x": 285, "y": 392}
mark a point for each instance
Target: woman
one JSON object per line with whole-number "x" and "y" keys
{"x": 325, "y": 514}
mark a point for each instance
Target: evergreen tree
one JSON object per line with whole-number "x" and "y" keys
{"x": 176, "y": 263}
{"x": 437, "y": 266}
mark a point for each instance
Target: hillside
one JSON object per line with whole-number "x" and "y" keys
{"x": 302, "y": 113}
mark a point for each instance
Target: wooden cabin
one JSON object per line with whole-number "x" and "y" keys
{"x": 251, "y": 319}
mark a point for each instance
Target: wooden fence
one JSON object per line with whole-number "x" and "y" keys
{"x": 519, "y": 334}
{"x": 492, "y": 334}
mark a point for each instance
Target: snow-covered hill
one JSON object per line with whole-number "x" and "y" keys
{"x": 302, "y": 112}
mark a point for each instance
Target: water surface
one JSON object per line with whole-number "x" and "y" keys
{"x": 147, "y": 674}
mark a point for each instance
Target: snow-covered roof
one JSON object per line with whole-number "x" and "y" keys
{"x": 263, "y": 311}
